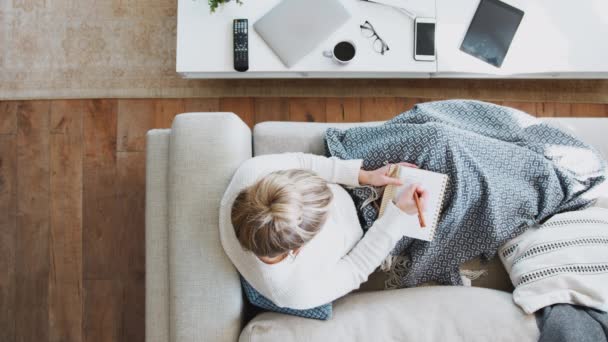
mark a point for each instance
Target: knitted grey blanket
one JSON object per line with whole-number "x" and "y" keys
{"x": 571, "y": 323}
{"x": 507, "y": 171}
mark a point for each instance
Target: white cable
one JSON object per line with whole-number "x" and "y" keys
{"x": 400, "y": 9}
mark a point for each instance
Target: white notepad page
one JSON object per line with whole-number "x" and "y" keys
{"x": 433, "y": 183}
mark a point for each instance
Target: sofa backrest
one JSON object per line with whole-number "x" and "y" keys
{"x": 278, "y": 137}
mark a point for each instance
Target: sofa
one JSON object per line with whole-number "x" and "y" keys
{"x": 193, "y": 292}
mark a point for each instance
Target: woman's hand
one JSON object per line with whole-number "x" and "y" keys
{"x": 407, "y": 203}
{"x": 378, "y": 177}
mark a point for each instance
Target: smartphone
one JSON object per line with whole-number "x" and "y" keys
{"x": 424, "y": 39}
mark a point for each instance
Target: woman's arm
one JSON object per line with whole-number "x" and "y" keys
{"x": 354, "y": 268}
{"x": 333, "y": 170}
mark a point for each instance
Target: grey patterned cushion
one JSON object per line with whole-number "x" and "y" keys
{"x": 322, "y": 312}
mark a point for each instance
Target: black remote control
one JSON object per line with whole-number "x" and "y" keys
{"x": 241, "y": 44}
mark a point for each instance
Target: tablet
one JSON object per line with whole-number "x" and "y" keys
{"x": 491, "y": 31}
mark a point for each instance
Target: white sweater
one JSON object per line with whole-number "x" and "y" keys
{"x": 336, "y": 261}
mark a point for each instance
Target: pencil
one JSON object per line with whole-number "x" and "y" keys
{"x": 420, "y": 216}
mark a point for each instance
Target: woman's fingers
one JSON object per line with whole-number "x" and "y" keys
{"x": 391, "y": 181}
{"x": 423, "y": 196}
{"x": 408, "y": 193}
{"x": 408, "y": 165}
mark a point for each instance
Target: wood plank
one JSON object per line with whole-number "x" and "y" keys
{"x": 131, "y": 193}
{"x": 134, "y": 309}
{"x": 381, "y": 108}
{"x": 8, "y": 117}
{"x": 527, "y": 107}
{"x": 556, "y": 90}
{"x": 309, "y": 109}
{"x": 241, "y": 106}
{"x": 271, "y": 109}
{"x": 545, "y": 109}
{"x": 410, "y": 102}
{"x": 563, "y": 109}
{"x": 500, "y": 103}
{"x": 589, "y": 110}
{"x": 103, "y": 302}
{"x": 205, "y": 104}
{"x": 135, "y": 118}
{"x": 166, "y": 110}
{"x": 32, "y": 238}
{"x": 343, "y": 109}
{"x": 65, "y": 283}
{"x": 66, "y": 117}
{"x": 102, "y": 233}
{"x": 8, "y": 231}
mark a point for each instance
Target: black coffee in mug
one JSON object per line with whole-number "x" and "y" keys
{"x": 344, "y": 51}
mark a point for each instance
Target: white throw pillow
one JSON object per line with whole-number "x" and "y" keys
{"x": 600, "y": 193}
{"x": 565, "y": 260}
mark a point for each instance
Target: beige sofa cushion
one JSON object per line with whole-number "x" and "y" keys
{"x": 438, "y": 313}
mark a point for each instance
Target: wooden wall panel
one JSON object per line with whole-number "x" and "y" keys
{"x": 32, "y": 238}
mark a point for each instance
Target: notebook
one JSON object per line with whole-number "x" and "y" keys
{"x": 434, "y": 183}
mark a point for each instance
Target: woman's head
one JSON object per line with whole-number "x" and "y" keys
{"x": 281, "y": 212}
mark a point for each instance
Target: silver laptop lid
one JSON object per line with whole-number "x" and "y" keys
{"x": 294, "y": 28}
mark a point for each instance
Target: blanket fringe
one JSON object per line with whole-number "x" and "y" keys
{"x": 468, "y": 276}
{"x": 376, "y": 193}
{"x": 396, "y": 266}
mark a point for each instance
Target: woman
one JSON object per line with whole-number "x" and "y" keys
{"x": 293, "y": 233}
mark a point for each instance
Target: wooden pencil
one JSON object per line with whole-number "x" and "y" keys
{"x": 420, "y": 215}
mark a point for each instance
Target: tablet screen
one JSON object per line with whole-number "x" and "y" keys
{"x": 491, "y": 31}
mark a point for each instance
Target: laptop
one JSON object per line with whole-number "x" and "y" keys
{"x": 294, "y": 28}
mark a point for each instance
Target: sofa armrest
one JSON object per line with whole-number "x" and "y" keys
{"x": 205, "y": 149}
{"x": 157, "y": 257}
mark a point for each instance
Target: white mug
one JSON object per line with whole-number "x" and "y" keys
{"x": 343, "y": 52}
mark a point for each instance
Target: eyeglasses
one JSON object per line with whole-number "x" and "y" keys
{"x": 379, "y": 44}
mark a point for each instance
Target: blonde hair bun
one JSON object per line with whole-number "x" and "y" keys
{"x": 281, "y": 211}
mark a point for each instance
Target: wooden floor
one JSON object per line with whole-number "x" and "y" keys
{"x": 72, "y": 261}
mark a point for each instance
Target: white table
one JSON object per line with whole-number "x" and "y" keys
{"x": 557, "y": 38}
